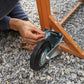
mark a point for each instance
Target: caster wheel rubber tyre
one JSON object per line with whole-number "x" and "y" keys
{"x": 38, "y": 56}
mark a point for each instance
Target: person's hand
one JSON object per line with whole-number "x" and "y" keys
{"x": 30, "y": 34}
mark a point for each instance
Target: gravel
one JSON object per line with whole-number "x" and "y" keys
{"x": 64, "y": 69}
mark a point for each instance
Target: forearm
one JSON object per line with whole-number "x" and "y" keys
{"x": 4, "y": 23}
{"x": 8, "y": 23}
{"x": 14, "y": 19}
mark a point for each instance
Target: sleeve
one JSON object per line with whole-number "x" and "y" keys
{"x": 18, "y": 12}
{"x": 4, "y": 23}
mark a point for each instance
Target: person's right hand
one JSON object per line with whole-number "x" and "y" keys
{"x": 30, "y": 34}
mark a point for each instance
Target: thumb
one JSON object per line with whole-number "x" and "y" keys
{"x": 39, "y": 31}
{"x": 35, "y": 36}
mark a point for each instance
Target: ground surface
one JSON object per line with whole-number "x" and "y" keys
{"x": 65, "y": 69}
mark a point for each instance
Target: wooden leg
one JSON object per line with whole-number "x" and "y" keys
{"x": 44, "y": 12}
{"x": 47, "y": 21}
{"x": 72, "y": 46}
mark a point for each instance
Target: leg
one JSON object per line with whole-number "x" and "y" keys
{"x": 18, "y": 12}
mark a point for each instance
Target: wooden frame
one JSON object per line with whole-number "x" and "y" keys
{"x": 47, "y": 21}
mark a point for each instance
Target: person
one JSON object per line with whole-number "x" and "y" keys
{"x": 13, "y": 17}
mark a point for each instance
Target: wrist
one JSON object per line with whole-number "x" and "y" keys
{"x": 15, "y": 24}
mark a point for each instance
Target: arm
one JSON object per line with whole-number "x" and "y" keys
{"x": 20, "y": 22}
{"x": 4, "y": 23}
{"x": 26, "y": 29}
{"x": 18, "y": 13}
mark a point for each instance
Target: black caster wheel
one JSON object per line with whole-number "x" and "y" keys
{"x": 38, "y": 57}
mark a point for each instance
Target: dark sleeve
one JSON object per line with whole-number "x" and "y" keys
{"x": 4, "y": 23}
{"x": 18, "y": 12}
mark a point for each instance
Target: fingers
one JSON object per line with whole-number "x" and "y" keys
{"x": 35, "y": 29}
{"x": 31, "y": 41}
{"x": 35, "y": 36}
{"x": 31, "y": 34}
{"x": 38, "y": 31}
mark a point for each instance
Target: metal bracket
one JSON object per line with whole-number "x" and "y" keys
{"x": 55, "y": 51}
